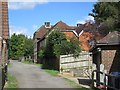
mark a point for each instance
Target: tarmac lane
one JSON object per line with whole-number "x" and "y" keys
{"x": 31, "y": 76}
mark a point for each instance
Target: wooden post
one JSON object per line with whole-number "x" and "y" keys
{"x": 94, "y": 75}
{"x": 3, "y": 53}
{"x": 0, "y": 50}
{"x": 0, "y": 33}
{"x": 98, "y": 64}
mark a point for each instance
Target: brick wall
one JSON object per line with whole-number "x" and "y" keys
{"x": 0, "y": 19}
{"x": 70, "y": 35}
{"x": 4, "y": 27}
{"x": 111, "y": 60}
{"x": 84, "y": 40}
{"x": 5, "y": 24}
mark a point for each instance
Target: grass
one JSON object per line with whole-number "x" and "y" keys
{"x": 75, "y": 85}
{"x": 12, "y": 82}
{"x": 72, "y": 83}
{"x": 9, "y": 65}
{"x": 27, "y": 62}
{"x": 55, "y": 73}
{"x": 52, "y": 72}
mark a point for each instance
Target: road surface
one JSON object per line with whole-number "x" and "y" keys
{"x": 31, "y": 76}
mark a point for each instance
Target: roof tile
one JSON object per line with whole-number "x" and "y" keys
{"x": 112, "y": 37}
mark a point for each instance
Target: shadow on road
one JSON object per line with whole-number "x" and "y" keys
{"x": 85, "y": 81}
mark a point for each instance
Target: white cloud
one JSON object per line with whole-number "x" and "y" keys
{"x": 18, "y": 30}
{"x": 87, "y": 18}
{"x": 23, "y": 5}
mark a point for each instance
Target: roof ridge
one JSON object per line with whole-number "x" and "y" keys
{"x": 60, "y": 22}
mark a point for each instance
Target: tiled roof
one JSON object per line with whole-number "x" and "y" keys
{"x": 111, "y": 38}
{"x": 97, "y": 36}
{"x": 79, "y": 29}
{"x": 91, "y": 28}
{"x": 41, "y": 32}
{"x": 87, "y": 27}
{"x": 61, "y": 25}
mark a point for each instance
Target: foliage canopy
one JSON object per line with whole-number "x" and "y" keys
{"x": 20, "y": 45}
{"x": 57, "y": 44}
{"x": 107, "y": 13}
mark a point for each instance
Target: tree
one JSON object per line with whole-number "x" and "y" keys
{"x": 20, "y": 46}
{"x": 74, "y": 46}
{"x": 28, "y": 47}
{"x": 107, "y": 13}
{"x": 54, "y": 39}
{"x": 13, "y": 46}
{"x": 57, "y": 44}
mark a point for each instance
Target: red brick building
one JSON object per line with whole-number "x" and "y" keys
{"x": 110, "y": 52}
{"x": 42, "y": 32}
{"x": 106, "y": 52}
{"x": 82, "y": 32}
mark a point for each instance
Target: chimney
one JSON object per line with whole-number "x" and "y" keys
{"x": 78, "y": 25}
{"x": 47, "y": 25}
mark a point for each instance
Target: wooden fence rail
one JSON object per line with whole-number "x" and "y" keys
{"x": 81, "y": 64}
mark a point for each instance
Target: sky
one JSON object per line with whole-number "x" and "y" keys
{"x": 27, "y": 17}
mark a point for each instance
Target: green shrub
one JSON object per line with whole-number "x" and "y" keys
{"x": 41, "y": 54}
{"x": 57, "y": 44}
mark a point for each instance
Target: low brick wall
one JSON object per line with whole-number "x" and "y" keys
{"x": 111, "y": 60}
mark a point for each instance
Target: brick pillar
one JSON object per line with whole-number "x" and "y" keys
{"x": 0, "y": 19}
{"x": 0, "y": 50}
{"x": 4, "y": 35}
{"x": 0, "y": 33}
{"x": 4, "y": 26}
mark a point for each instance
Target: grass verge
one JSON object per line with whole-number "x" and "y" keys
{"x": 55, "y": 73}
{"x": 27, "y": 62}
{"x": 72, "y": 83}
{"x": 75, "y": 85}
{"x": 52, "y": 72}
{"x": 9, "y": 65}
{"x": 12, "y": 82}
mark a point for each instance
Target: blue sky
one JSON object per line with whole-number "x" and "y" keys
{"x": 27, "y": 17}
